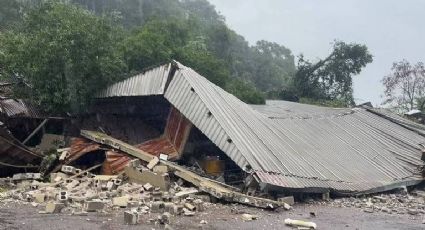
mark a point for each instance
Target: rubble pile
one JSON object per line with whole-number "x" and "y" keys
{"x": 76, "y": 192}
{"x": 396, "y": 203}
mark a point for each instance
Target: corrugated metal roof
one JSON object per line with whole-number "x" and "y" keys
{"x": 290, "y": 110}
{"x": 298, "y": 146}
{"x": 19, "y": 108}
{"x": 150, "y": 82}
{"x": 350, "y": 147}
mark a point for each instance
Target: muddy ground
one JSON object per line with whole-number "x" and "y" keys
{"x": 218, "y": 216}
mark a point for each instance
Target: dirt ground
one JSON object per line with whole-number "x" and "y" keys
{"x": 218, "y": 216}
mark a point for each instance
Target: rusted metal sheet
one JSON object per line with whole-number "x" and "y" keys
{"x": 158, "y": 146}
{"x": 177, "y": 129}
{"x": 115, "y": 162}
{"x": 14, "y": 155}
{"x": 79, "y": 147}
{"x": 173, "y": 140}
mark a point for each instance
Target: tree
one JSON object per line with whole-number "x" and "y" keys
{"x": 274, "y": 66}
{"x": 66, "y": 54}
{"x": 245, "y": 91}
{"x": 331, "y": 78}
{"x": 405, "y": 86}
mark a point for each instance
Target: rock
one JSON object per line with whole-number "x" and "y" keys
{"x": 286, "y": 206}
{"x": 130, "y": 217}
{"x": 53, "y": 207}
{"x": 203, "y": 222}
{"x": 249, "y": 217}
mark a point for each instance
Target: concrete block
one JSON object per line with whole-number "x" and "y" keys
{"x": 158, "y": 180}
{"x": 189, "y": 206}
{"x": 199, "y": 205}
{"x": 72, "y": 184}
{"x": 160, "y": 169}
{"x": 110, "y": 185}
{"x": 53, "y": 207}
{"x": 157, "y": 207}
{"x": 148, "y": 187}
{"x": 157, "y": 195}
{"x": 325, "y": 196}
{"x": 130, "y": 217}
{"x": 56, "y": 177}
{"x": 121, "y": 201}
{"x": 63, "y": 155}
{"x": 39, "y": 197}
{"x": 103, "y": 195}
{"x": 287, "y": 199}
{"x": 117, "y": 182}
{"x": 63, "y": 196}
{"x": 187, "y": 212}
{"x": 68, "y": 169}
{"x": 94, "y": 205}
{"x": 152, "y": 163}
{"x": 172, "y": 208}
{"x": 164, "y": 218}
{"x": 135, "y": 163}
{"x": 163, "y": 157}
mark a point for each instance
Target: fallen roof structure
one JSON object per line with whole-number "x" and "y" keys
{"x": 289, "y": 146}
{"x": 15, "y": 156}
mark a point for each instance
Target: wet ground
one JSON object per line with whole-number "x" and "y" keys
{"x": 217, "y": 216}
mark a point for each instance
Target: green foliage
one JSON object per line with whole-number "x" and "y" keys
{"x": 9, "y": 13}
{"x": 245, "y": 91}
{"x": 266, "y": 65}
{"x": 331, "y": 78}
{"x": 65, "y": 53}
{"x": 274, "y": 62}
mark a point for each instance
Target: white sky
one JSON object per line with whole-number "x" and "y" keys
{"x": 392, "y": 29}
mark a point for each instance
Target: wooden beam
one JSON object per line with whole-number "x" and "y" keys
{"x": 35, "y": 131}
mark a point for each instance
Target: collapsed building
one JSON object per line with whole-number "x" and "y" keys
{"x": 277, "y": 147}
{"x": 177, "y": 115}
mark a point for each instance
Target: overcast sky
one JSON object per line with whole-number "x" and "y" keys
{"x": 392, "y": 29}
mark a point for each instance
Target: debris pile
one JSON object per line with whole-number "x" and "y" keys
{"x": 395, "y": 203}
{"x": 77, "y": 192}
